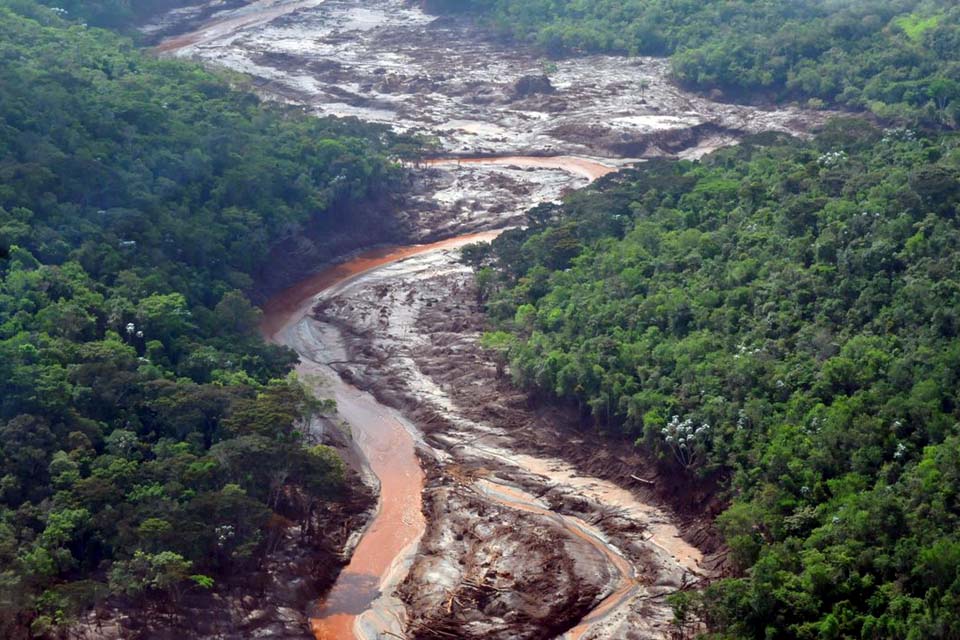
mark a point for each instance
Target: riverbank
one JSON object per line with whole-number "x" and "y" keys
{"x": 272, "y": 601}
{"x": 498, "y": 517}
{"x": 410, "y": 329}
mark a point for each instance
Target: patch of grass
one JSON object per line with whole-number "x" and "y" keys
{"x": 914, "y": 26}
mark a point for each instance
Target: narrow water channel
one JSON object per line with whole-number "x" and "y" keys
{"x": 388, "y": 444}
{"x": 382, "y": 437}
{"x": 358, "y": 604}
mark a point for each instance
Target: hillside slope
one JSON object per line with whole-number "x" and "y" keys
{"x": 784, "y": 315}
{"x": 152, "y": 447}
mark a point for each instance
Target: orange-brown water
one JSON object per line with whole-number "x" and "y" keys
{"x": 398, "y": 524}
{"x": 259, "y": 12}
{"x": 290, "y": 305}
{"x": 380, "y": 435}
{"x": 581, "y": 166}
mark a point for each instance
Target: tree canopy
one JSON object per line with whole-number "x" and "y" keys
{"x": 148, "y": 436}
{"x": 897, "y": 58}
{"x": 784, "y": 315}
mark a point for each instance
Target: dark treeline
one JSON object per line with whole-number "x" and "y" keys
{"x": 897, "y": 58}
{"x": 786, "y": 315}
{"x": 150, "y": 442}
{"x": 123, "y": 15}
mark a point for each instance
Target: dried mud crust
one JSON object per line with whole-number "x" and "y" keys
{"x": 412, "y": 339}
{"x": 387, "y": 61}
{"x": 487, "y": 571}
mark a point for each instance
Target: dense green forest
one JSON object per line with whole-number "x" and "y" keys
{"x": 782, "y": 317}
{"x": 897, "y": 58}
{"x": 150, "y": 442}
{"x": 123, "y": 15}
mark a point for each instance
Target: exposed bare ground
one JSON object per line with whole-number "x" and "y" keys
{"x": 536, "y": 526}
{"x": 386, "y": 61}
{"x": 505, "y": 473}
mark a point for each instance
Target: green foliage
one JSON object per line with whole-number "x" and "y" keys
{"x": 915, "y": 25}
{"x": 113, "y": 14}
{"x": 880, "y": 55}
{"x": 785, "y": 315}
{"x": 148, "y": 436}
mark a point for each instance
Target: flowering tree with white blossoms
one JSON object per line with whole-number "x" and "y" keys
{"x": 685, "y": 439}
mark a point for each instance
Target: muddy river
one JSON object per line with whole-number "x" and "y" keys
{"x": 360, "y": 603}
{"x": 385, "y": 439}
{"x": 479, "y": 531}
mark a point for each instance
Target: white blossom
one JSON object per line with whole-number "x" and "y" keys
{"x": 832, "y": 158}
{"x": 900, "y": 452}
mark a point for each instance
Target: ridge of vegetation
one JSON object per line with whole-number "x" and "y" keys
{"x": 784, "y": 315}
{"x": 121, "y": 15}
{"x": 896, "y": 58}
{"x": 151, "y": 443}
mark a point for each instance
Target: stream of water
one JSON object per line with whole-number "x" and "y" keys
{"x": 383, "y": 437}
{"x": 387, "y": 442}
{"x": 361, "y": 603}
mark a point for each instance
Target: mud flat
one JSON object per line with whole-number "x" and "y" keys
{"x": 387, "y": 61}
{"x": 520, "y": 543}
{"x": 497, "y": 517}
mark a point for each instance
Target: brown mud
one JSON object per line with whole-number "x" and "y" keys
{"x": 500, "y": 515}
{"x": 507, "y": 501}
{"x": 361, "y": 596}
{"x": 542, "y": 427}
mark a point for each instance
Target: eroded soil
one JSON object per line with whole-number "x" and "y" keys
{"x": 500, "y": 517}
{"x": 524, "y": 539}
{"x": 387, "y": 61}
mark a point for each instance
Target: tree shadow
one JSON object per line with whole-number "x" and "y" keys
{"x": 352, "y": 594}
